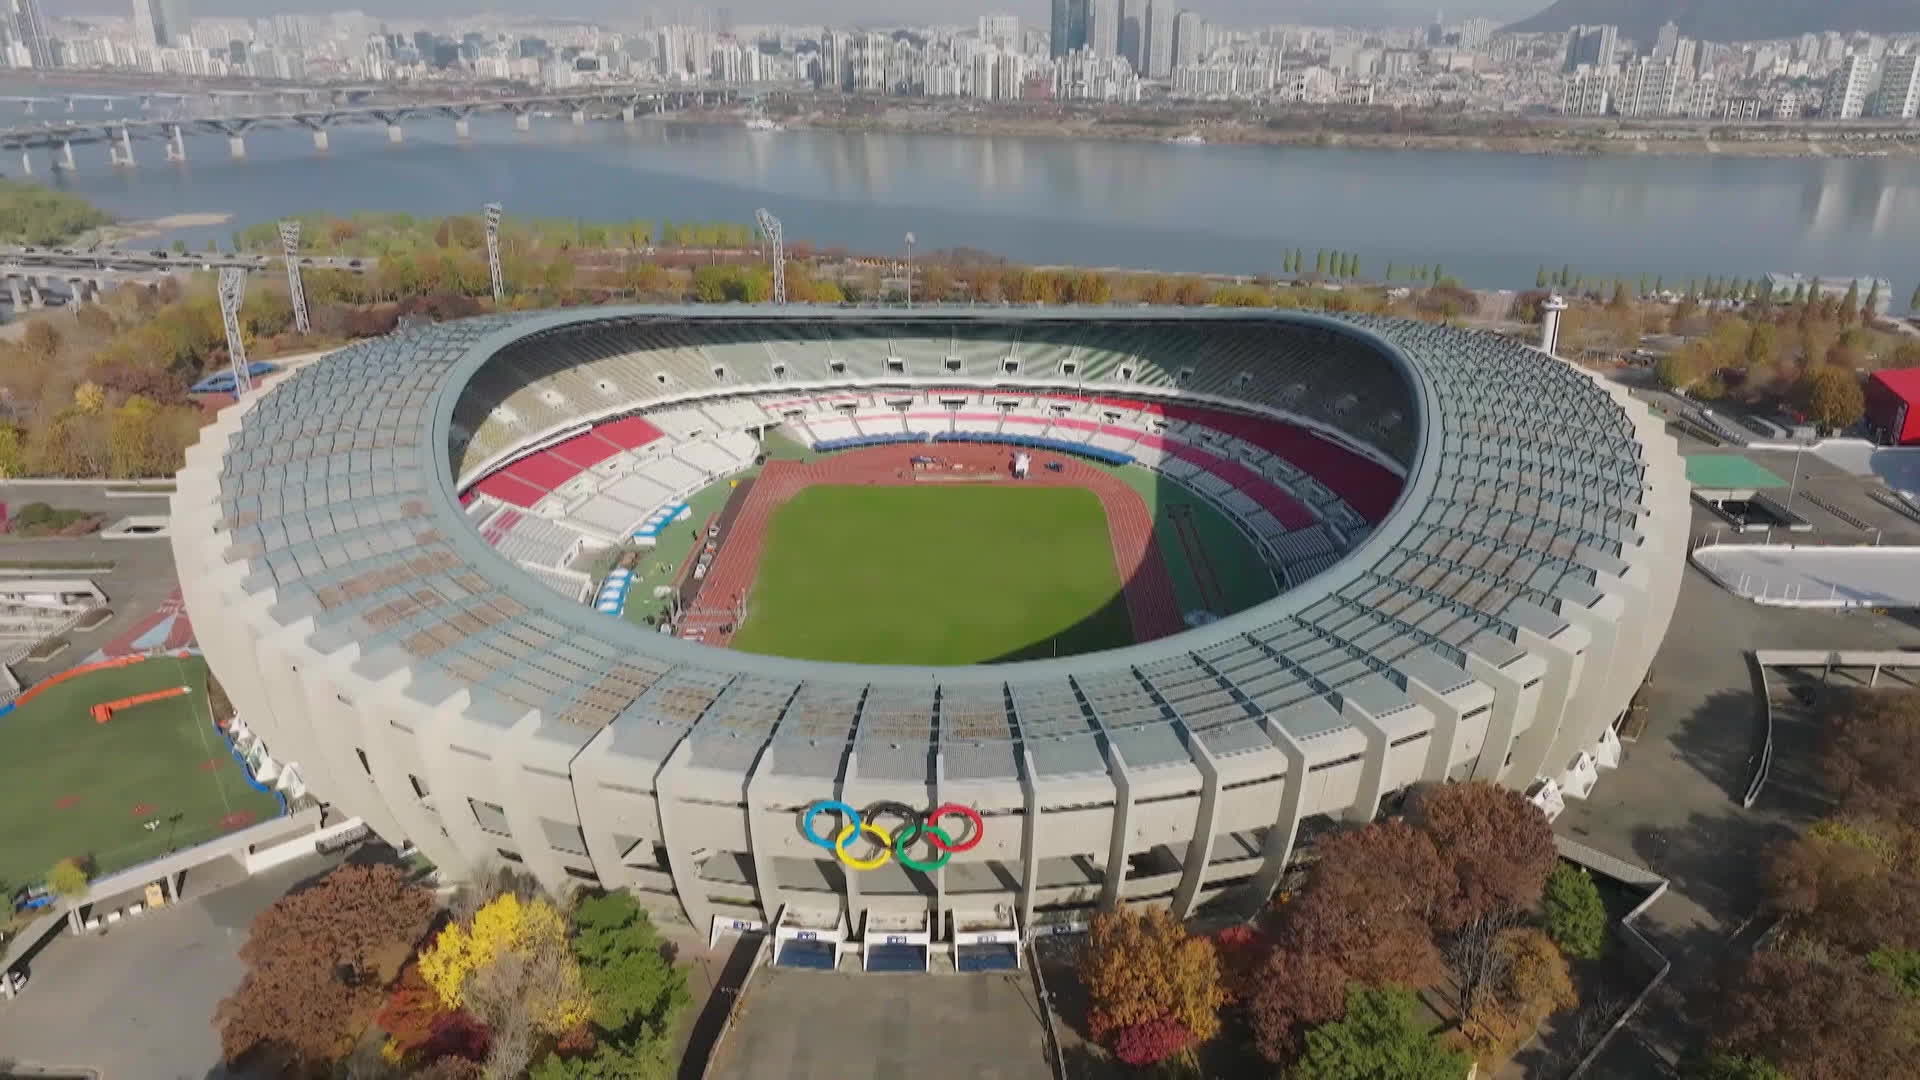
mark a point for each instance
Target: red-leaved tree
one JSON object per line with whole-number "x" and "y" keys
{"x": 1369, "y": 903}
{"x": 1497, "y": 848}
{"x": 1243, "y": 951}
{"x": 313, "y": 978}
{"x": 1296, "y": 991}
{"x": 1151, "y": 1042}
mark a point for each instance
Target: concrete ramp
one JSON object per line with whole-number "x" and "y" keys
{"x": 1791, "y": 575}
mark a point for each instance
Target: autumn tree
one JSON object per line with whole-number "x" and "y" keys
{"x": 1815, "y": 1017}
{"x": 1139, "y": 966}
{"x": 1844, "y": 882}
{"x": 1497, "y": 848}
{"x": 1380, "y": 1036}
{"x": 1370, "y": 902}
{"x": 1735, "y": 1067}
{"x": 1532, "y": 984}
{"x": 1869, "y": 747}
{"x": 1761, "y": 347}
{"x": 511, "y": 957}
{"x": 1850, "y": 303}
{"x": 1574, "y": 915}
{"x": 1831, "y": 396}
{"x": 1295, "y": 992}
{"x": 1243, "y": 952}
{"x": 313, "y": 966}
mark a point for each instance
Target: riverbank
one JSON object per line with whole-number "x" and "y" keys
{"x": 1210, "y": 128}
{"x": 122, "y": 233}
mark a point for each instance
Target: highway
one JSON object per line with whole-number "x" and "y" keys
{"x": 53, "y": 260}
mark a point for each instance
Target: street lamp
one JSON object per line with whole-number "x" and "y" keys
{"x": 909, "y": 269}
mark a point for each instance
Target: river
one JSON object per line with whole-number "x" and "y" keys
{"x": 1490, "y": 219}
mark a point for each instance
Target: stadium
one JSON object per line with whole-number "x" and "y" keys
{"x": 1057, "y": 608}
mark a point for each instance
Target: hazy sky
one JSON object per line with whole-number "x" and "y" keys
{"x": 1238, "y": 12}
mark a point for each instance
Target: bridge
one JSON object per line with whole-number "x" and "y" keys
{"x": 180, "y": 101}
{"x": 120, "y": 133}
{"x": 32, "y": 275}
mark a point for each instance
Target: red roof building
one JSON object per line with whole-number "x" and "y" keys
{"x": 1893, "y": 406}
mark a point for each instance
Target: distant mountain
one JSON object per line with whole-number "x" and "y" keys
{"x": 1728, "y": 20}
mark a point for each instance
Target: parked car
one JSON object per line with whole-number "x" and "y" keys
{"x": 32, "y": 898}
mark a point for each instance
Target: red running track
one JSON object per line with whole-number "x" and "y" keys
{"x": 1146, "y": 586}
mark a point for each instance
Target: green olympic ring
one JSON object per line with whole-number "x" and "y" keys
{"x": 913, "y": 832}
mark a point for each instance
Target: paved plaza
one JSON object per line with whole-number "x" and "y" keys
{"x": 137, "y": 1003}
{"x": 810, "y": 1025}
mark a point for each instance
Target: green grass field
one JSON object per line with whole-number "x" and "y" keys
{"x": 71, "y": 787}
{"x": 1237, "y": 568}
{"x": 936, "y": 575}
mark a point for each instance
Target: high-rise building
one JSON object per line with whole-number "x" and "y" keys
{"x": 1900, "y": 86}
{"x": 1133, "y": 32}
{"x": 1649, "y": 88}
{"x": 1594, "y": 46}
{"x": 162, "y": 24}
{"x": 29, "y": 32}
{"x": 1157, "y": 48}
{"x": 1847, "y": 97}
{"x": 1189, "y": 39}
{"x": 1588, "y": 93}
{"x": 1103, "y": 27}
{"x": 1001, "y": 31}
{"x": 1069, "y": 30}
{"x": 1667, "y": 41}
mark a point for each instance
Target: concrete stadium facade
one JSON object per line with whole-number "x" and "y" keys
{"x": 1494, "y": 625}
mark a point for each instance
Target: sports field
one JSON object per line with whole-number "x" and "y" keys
{"x": 936, "y": 575}
{"x": 71, "y": 787}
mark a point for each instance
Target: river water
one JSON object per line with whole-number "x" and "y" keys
{"x": 1490, "y": 219}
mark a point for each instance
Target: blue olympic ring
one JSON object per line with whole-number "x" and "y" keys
{"x": 849, "y": 816}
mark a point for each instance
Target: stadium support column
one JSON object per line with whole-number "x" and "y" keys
{"x": 1114, "y": 880}
{"x": 13, "y": 293}
{"x": 1445, "y": 739}
{"x": 1205, "y": 824}
{"x": 939, "y": 785}
{"x": 1564, "y": 654}
{"x": 762, "y": 810}
{"x": 1550, "y": 311}
{"x": 1373, "y": 767}
{"x": 26, "y": 162}
{"x": 680, "y": 849}
{"x": 1277, "y": 849}
{"x": 1029, "y": 834}
{"x": 1508, "y": 684}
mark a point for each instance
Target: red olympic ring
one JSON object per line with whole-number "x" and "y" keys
{"x": 974, "y": 836}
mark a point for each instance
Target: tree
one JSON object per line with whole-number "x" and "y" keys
{"x": 1370, "y": 902}
{"x": 512, "y": 964}
{"x": 1735, "y": 1067}
{"x": 1575, "y": 917}
{"x": 1151, "y": 1042}
{"x": 1533, "y": 984}
{"x": 640, "y": 1059}
{"x": 1660, "y": 286}
{"x": 1139, "y": 966}
{"x": 1843, "y": 882}
{"x": 623, "y": 965}
{"x": 1497, "y": 848}
{"x": 1815, "y": 1017}
{"x": 1619, "y": 300}
{"x": 68, "y": 880}
{"x": 1871, "y": 309}
{"x": 1761, "y": 349}
{"x": 1243, "y": 952}
{"x": 1831, "y": 396}
{"x": 1913, "y": 304}
{"x": 1320, "y": 263}
{"x": 1296, "y": 991}
{"x": 1378, "y": 1039}
{"x": 1540, "y": 279}
{"x": 1850, "y": 303}
{"x": 1901, "y": 966}
{"x": 312, "y": 966}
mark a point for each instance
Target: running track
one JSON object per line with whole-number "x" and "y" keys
{"x": 1146, "y": 586}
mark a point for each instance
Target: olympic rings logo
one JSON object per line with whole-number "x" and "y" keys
{"x": 893, "y": 845}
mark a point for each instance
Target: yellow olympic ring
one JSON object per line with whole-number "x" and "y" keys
{"x": 875, "y": 863}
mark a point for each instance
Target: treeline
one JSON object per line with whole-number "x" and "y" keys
{"x": 42, "y": 217}
{"x": 382, "y": 234}
{"x": 1835, "y": 990}
{"x": 1462, "y": 901}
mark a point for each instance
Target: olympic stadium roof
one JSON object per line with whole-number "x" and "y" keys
{"x": 1524, "y": 495}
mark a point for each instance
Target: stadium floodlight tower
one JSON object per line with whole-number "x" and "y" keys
{"x": 233, "y": 290}
{"x": 494, "y": 210}
{"x": 296, "y": 290}
{"x": 771, "y": 226}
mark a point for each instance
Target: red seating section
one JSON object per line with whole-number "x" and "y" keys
{"x": 532, "y": 478}
{"x": 1365, "y": 484}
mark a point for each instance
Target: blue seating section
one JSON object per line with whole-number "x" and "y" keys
{"x": 1062, "y": 446}
{"x": 222, "y": 382}
{"x": 986, "y": 958}
{"x": 911, "y": 958}
{"x": 818, "y": 955}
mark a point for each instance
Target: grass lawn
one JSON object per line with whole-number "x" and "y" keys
{"x": 1236, "y": 565}
{"x": 71, "y": 787}
{"x": 936, "y": 575}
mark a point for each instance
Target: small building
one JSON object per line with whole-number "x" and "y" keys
{"x": 1893, "y": 406}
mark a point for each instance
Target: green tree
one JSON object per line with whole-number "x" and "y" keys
{"x": 622, "y": 965}
{"x": 1619, "y": 300}
{"x": 1566, "y": 275}
{"x": 1378, "y": 1039}
{"x": 1913, "y": 304}
{"x": 1439, "y": 274}
{"x": 1540, "y": 279}
{"x": 1389, "y": 276}
{"x": 1575, "y": 917}
{"x": 647, "y": 1058}
{"x": 1871, "y": 309}
{"x": 1900, "y": 965}
{"x": 1320, "y": 263}
{"x": 1850, "y": 303}
{"x": 1659, "y": 286}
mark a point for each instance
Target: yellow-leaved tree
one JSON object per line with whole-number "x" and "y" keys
{"x": 1149, "y": 981}
{"x": 510, "y": 966}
